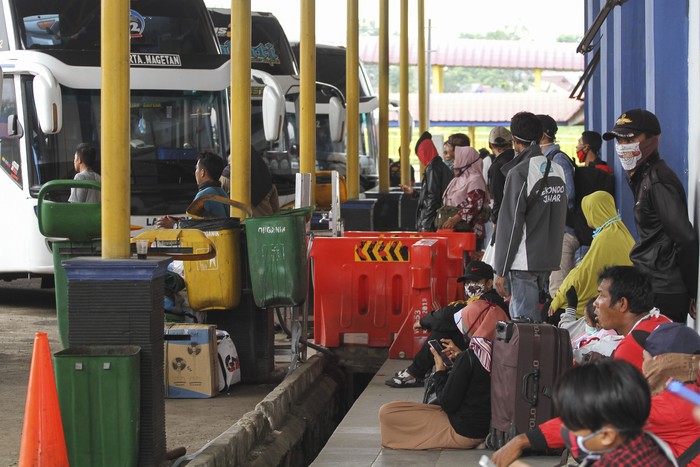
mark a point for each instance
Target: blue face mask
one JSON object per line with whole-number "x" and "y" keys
{"x": 590, "y": 329}
{"x": 612, "y": 220}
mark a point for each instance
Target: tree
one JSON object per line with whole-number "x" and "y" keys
{"x": 509, "y": 34}
{"x": 574, "y": 38}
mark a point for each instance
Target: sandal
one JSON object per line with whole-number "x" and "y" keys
{"x": 404, "y": 379}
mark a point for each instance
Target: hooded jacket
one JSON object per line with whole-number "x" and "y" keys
{"x": 530, "y": 238}
{"x": 667, "y": 248}
{"x": 436, "y": 177}
{"x": 610, "y": 247}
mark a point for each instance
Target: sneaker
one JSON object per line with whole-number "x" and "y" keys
{"x": 404, "y": 379}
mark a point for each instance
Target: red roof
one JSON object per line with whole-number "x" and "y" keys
{"x": 483, "y": 53}
{"x": 477, "y": 108}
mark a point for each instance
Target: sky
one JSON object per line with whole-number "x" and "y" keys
{"x": 545, "y": 20}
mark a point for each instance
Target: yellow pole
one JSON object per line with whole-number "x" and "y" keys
{"x": 115, "y": 114}
{"x": 240, "y": 104}
{"x": 438, "y": 79}
{"x": 403, "y": 97}
{"x": 307, "y": 93}
{"x": 383, "y": 96}
{"x": 422, "y": 80}
{"x": 538, "y": 79}
{"x": 352, "y": 93}
{"x": 471, "y": 132}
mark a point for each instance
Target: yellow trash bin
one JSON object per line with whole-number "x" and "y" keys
{"x": 215, "y": 284}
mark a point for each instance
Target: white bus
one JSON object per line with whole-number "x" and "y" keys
{"x": 274, "y": 64}
{"x": 50, "y": 61}
{"x": 331, "y": 155}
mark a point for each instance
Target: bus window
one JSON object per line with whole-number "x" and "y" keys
{"x": 9, "y": 146}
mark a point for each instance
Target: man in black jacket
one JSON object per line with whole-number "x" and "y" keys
{"x": 501, "y": 144}
{"x": 435, "y": 179}
{"x": 667, "y": 248}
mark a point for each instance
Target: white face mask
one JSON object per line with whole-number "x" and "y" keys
{"x": 473, "y": 289}
{"x": 629, "y": 154}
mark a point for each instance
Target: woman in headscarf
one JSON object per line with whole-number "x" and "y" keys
{"x": 611, "y": 246}
{"x": 460, "y": 419}
{"x": 467, "y": 192}
{"x": 435, "y": 179}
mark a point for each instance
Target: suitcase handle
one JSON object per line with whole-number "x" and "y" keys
{"x": 533, "y": 397}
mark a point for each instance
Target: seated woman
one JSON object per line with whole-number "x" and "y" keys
{"x": 463, "y": 414}
{"x": 611, "y": 246}
{"x": 478, "y": 285}
{"x": 467, "y": 194}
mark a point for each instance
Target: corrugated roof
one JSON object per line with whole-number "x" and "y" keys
{"x": 484, "y": 53}
{"x": 478, "y": 108}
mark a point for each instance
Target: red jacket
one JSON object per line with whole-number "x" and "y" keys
{"x": 665, "y": 419}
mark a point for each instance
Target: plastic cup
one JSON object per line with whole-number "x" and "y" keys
{"x": 141, "y": 249}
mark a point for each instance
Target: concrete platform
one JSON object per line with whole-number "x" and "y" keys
{"x": 357, "y": 442}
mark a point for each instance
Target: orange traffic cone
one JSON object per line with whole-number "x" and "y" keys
{"x": 43, "y": 443}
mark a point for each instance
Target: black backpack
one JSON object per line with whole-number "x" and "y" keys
{"x": 587, "y": 180}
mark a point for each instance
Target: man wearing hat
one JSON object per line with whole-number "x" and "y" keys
{"x": 501, "y": 145}
{"x": 570, "y": 242}
{"x": 667, "y": 248}
{"x": 531, "y": 220}
{"x": 478, "y": 285}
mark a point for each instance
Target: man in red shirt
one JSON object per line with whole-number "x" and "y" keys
{"x": 624, "y": 304}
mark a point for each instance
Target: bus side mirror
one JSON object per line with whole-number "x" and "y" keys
{"x": 273, "y": 113}
{"x": 14, "y": 127}
{"x": 336, "y": 119}
{"x": 47, "y": 96}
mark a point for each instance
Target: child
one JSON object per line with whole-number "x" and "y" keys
{"x": 603, "y": 407}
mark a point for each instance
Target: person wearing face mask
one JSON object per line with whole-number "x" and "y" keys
{"x": 436, "y": 177}
{"x": 460, "y": 417}
{"x": 448, "y": 148}
{"x": 531, "y": 219}
{"x": 478, "y": 285}
{"x": 465, "y": 201}
{"x": 611, "y": 245}
{"x": 667, "y": 248}
{"x": 604, "y": 406}
{"x": 588, "y": 149}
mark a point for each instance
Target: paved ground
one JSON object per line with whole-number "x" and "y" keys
{"x": 356, "y": 442}
{"x": 26, "y": 309}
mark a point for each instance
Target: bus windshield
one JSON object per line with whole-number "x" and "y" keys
{"x": 168, "y": 130}
{"x": 75, "y": 25}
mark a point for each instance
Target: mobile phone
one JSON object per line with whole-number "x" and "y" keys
{"x": 485, "y": 461}
{"x": 680, "y": 390}
{"x": 435, "y": 344}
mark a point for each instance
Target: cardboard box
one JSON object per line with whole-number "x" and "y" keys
{"x": 190, "y": 361}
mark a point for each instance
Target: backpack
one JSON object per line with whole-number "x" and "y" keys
{"x": 229, "y": 363}
{"x": 587, "y": 180}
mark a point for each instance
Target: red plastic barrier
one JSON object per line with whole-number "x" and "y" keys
{"x": 361, "y": 289}
{"x": 408, "y": 340}
{"x": 362, "y": 283}
{"x": 450, "y": 260}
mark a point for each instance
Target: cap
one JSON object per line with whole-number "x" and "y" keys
{"x": 549, "y": 126}
{"x": 500, "y": 135}
{"x": 632, "y": 123}
{"x": 477, "y": 270}
{"x": 669, "y": 338}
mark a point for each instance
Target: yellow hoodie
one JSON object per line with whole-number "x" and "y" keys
{"x": 610, "y": 247}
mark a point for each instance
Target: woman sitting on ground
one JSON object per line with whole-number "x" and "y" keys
{"x": 461, "y": 417}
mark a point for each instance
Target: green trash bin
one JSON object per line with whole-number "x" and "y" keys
{"x": 79, "y": 224}
{"x": 277, "y": 258}
{"x": 63, "y": 250}
{"x": 98, "y": 391}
